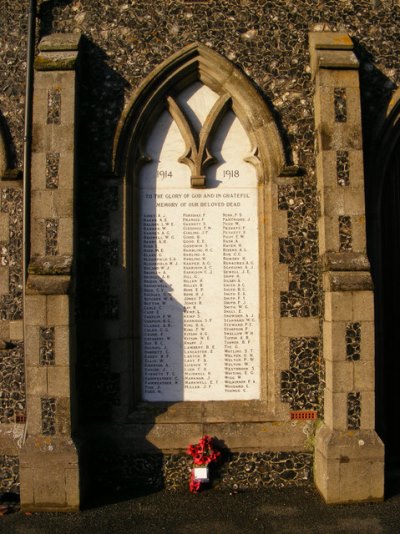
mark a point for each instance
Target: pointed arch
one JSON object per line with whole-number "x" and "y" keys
{"x": 198, "y": 62}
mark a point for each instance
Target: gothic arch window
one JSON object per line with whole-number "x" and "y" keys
{"x": 199, "y": 151}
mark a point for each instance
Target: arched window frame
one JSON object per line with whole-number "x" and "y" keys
{"x": 197, "y": 62}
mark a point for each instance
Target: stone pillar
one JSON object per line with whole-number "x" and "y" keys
{"x": 49, "y": 469}
{"x": 349, "y": 456}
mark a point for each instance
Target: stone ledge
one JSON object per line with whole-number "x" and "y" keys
{"x": 330, "y": 41}
{"x": 335, "y": 59}
{"x": 50, "y": 265}
{"x": 331, "y": 50}
{"x": 347, "y": 281}
{"x": 10, "y": 175}
{"x": 345, "y": 261}
{"x": 60, "y": 42}
{"x": 56, "y": 61}
{"x": 58, "y": 51}
{"x": 48, "y": 285}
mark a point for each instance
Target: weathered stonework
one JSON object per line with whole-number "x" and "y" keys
{"x": 12, "y": 377}
{"x": 354, "y": 411}
{"x": 124, "y": 43}
{"x": 237, "y": 471}
{"x": 348, "y": 398}
{"x": 49, "y": 295}
{"x": 52, "y": 169}
{"x": 9, "y": 468}
{"x": 299, "y": 385}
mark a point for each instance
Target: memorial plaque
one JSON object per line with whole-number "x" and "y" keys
{"x": 199, "y": 267}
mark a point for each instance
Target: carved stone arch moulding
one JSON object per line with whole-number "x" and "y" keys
{"x": 198, "y": 62}
{"x": 235, "y": 97}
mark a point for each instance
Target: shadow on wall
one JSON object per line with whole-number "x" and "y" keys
{"x": 45, "y": 15}
{"x": 7, "y": 149}
{"x": 111, "y": 469}
{"x": 382, "y": 186}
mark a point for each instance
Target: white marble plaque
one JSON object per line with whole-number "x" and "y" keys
{"x": 199, "y": 254}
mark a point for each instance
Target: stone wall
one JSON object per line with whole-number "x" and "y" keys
{"x": 125, "y": 41}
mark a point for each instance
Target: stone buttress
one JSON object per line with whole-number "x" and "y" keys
{"x": 349, "y": 456}
{"x": 49, "y": 461}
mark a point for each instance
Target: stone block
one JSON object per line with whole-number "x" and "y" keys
{"x": 368, "y": 410}
{"x": 334, "y": 340}
{"x": 16, "y": 330}
{"x": 72, "y": 487}
{"x": 68, "y": 99}
{"x": 49, "y": 490}
{"x": 65, "y": 236}
{"x": 354, "y": 203}
{"x": 327, "y": 40}
{"x": 363, "y": 306}
{"x": 353, "y": 107}
{"x": 58, "y": 310}
{"x": 36, "y": 311}
{"x": 53, "y": 138}
{"x": 58, "y": 381}
{"x": 338, "y": 306}
{"x": 60, "y": 42}
{"x": 356, "y": 161}
{"x": 269, "y": 436}
{"x": 39, "y": 105}
{"x": 4, "y": 227}
{"x": 324, "y": 109}
{"x": 159, "y": 437}
{"x": 364, "y": 375}
{"x": 66, "y": 171}
{"x": 63, "y": 416}
{"x": 38, "y": 171}
{"x": 4, "y": 280}
{"x": 43, "y": 204}
{"x": 38, "y": 237}
{"x": 326, "y": 170}
{"x": 62, "y": 345}
{"x": 335, "y": 410}
{"x": 358, "y": 233}
{"x": 32, "y": 345}
{"x": 349, "y": 466}
{"x": 338, "y": 77}
{"x": 54, "y": 486}
{"x": 337, "y": 136}
{"x": 333, "y": 202}
{"x": 34, "y": 408}
{"x": 331, "y": 234}
{"x": 299, "y": 326}
{"x": 345, "y": 261}
{"x": 26, "y": 486}
{"x": 367, "y": 341}
{"x": 36, "y": 381}
{"x": 347, "y": 281}
{"x": 48, "y": 285}
{"x": 63, "y": 203}
{"x": 47, "y": 79}
{"x": 339, "y": 376}
{"x": 5, "y": 330}
{"x": 281, "y": 351}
